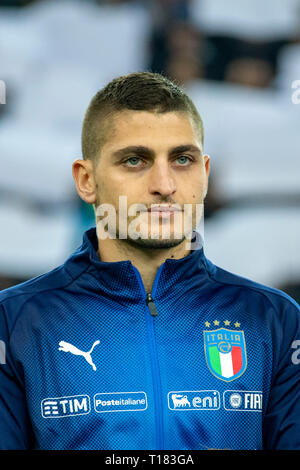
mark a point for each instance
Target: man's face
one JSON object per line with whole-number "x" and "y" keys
{"x": 155, "y": 160}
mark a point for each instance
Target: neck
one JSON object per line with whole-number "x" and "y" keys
{"x": 146, "y": 260}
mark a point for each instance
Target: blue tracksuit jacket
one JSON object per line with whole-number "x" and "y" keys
{"x": 89, "y": 360}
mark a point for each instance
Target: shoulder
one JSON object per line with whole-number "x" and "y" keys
{"x": 275, "y": 298}
{"x": 14, "y": 299}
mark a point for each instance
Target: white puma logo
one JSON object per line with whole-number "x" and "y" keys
{"x": 67, "y": 347}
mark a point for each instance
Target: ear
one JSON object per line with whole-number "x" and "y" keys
{"x": 83, "y": 174}
{"x": 207, "y": 171}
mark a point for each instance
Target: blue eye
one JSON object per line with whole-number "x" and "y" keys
{"x": 135, "y": 159}
{"x": 184, "y": 159}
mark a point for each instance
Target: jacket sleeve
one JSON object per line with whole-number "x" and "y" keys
{"x": 15, "y": 429}
{"x": 281, "y": 425}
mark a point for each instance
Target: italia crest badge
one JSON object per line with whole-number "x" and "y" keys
{"x": 225, "y": 351}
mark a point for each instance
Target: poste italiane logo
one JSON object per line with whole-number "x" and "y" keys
{"x": 225, "y": 351}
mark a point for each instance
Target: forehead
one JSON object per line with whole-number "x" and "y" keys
{"x": 148, "y": 128}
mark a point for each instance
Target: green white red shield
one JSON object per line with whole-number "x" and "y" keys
{"x": 225, "y": 352}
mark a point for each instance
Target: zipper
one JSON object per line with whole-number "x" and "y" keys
{"x": 151, "y": 305}
{"x": 157, "y": 388}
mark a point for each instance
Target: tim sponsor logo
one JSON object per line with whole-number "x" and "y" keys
{"x": 194, "y": 400}
{"x": 120, "y": 401}
{"x": 62, "y": 407}
{"x": 242, "y": 400}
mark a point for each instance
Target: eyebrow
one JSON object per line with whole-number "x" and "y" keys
{"x": 140, "y": 149}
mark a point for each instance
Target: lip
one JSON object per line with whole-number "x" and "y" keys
{"x": 164, "y": 212}
{"x": 164, "y": 209}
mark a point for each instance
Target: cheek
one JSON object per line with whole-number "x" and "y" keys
{"x": 117, "y": 182}
{"x": 194, "y": 191}
{"x": 110, "y": 189}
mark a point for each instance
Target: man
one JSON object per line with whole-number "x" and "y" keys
{"x": 138, "y": 341}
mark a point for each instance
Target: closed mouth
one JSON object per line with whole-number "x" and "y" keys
{"x": 165, "y": 209}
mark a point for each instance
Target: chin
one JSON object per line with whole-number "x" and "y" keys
{"x": 151, "y": 243}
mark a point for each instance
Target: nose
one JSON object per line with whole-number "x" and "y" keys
{"x": 161, "y": 179}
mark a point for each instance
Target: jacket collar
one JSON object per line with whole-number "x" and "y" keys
{"x": 121, "y": 279}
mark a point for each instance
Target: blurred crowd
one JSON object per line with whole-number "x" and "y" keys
{"x": 237, "y": 59}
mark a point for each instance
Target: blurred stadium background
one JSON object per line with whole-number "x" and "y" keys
{"x": 236, "y": 58}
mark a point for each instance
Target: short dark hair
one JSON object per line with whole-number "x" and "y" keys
{"x": 138, "y": 91}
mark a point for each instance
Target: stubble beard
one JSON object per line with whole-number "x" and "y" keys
{"x": 147, "y": 243}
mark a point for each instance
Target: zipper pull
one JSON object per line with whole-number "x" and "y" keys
{"x": 151, "y": 305}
